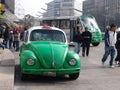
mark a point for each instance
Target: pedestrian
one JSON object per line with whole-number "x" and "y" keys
{"x": 11, "y": 39}
{"x": 1, "y": 31}
{"x": 86, "y": 40}
{"x": 22, "y": 35}
{"x": 6, "y": 37}
{"x": 1, "y": 44}
{"x": 77, "y": 39}
{"x": 16, "y": 40}
{"x": 110, "y": 40}
{"x": 117, "y": 59}
{"x": 2, "y": 28}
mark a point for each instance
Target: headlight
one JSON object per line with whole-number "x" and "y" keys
{"x": 30, "y": 62}
{"x": 72, "y": 62}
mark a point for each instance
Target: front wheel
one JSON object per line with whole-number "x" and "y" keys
{"x": 23, "y": 77}
{"x": 95, "y": 44}
{"x": 74, "y": 76}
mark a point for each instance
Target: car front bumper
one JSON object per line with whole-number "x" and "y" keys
{"x": 57, "y": 72}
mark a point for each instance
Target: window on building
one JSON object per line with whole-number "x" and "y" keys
{"x": 57, "y": 5}
{"x": 67, "y": 5}
{"x": 68, "y": 0}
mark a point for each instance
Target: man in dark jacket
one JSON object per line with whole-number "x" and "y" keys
{"x": 117, "y": 59}
{"x": 77, "y": 39}
{"x": 86, "y": 40}
{"x": 6, "y": 37}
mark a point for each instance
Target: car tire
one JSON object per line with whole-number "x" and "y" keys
{"x": 74, "y": 76}
{"x": 95, "y": 44}
{"x": 23, "y": 77}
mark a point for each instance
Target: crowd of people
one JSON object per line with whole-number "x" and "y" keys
{"x": 11, "y": 37}
{"x": 112, "y": 44}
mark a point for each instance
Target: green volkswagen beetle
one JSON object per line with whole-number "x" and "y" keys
{"x": 45, "y": 51}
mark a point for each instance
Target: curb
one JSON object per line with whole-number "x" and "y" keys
{"x": 7, "y": 58}
{"x": 7, "y": 63}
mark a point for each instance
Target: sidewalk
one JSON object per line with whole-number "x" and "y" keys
{"x": 7, "y": 70}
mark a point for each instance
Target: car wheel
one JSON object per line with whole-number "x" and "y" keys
{"x": 23, "y": 76}
{"x": 95, "y": 44}
{"x": 74, "y": 76}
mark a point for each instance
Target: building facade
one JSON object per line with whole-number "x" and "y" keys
{"x": 105, "y": 11}
{"x": 60, "y": 12}
{"x": 59, "y": 8}
{"x": 10, "y": 5}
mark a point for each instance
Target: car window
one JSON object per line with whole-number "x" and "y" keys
{"x": 91, "y": 23}
{"x": 47, "y": 35}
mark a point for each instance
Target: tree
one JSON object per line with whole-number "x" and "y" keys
{"x": 28, "y": 20}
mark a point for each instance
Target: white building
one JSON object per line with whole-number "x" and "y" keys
{"x": 59, "y": 8}
{"x": 19, "y": 10}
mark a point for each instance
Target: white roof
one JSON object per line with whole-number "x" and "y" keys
{"x": 42, "y": 27}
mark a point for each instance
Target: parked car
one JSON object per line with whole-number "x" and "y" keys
{"x": 45, "y": 51}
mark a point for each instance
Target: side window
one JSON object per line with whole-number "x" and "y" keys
{"x": 26, "y": 36}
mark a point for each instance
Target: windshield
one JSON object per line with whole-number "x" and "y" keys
{"x": 47, "y": 35}
{"x": 90, "y": 23}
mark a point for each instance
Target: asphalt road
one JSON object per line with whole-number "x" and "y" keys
{"x": 92, "y": 77}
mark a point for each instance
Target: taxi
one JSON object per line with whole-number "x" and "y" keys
{"x": 45, "y": 51}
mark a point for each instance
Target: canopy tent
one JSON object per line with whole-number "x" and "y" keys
{"x": 9, "y": 18}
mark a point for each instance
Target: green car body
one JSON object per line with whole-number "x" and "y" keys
{"x": 41, "y": 57}
{"x": 91, "y": 23}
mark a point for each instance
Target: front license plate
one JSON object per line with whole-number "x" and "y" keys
{"x": 50, "y": 74}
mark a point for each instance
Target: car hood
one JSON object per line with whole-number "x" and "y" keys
{"x": 50, "y": 54}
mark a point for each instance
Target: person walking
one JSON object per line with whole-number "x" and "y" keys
{"x": 86, "y": 40}
{"x": 77, "y": 39}
{"x": 117, "y": 59}
{"x": 11, "y": 39}
{"x": 6, "y": 37}
{"x": 1, "y": 36}
{"x": 16, "y": 40}
{"x": 22, "y": 35}
{"x": 110, "y": 40}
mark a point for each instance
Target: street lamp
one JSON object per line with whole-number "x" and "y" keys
{"x": 78, "y": 10}
{"x": 38, "y": 15}
{"x": 40, "y": 12}
{"x": 43, "y": 9}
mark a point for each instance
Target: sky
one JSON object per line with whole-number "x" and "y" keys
{"x": 32, "y": 7}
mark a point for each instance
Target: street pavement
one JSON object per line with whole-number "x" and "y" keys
{"x": 7, "y": 70}
{"x": 92, "y": 77}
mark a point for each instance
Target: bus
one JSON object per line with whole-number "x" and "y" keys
{"x": 69, "y": 24}
{"x": 89, "y": 22}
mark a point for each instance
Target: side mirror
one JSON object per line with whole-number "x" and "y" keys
{"x": 71, "y": 44}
